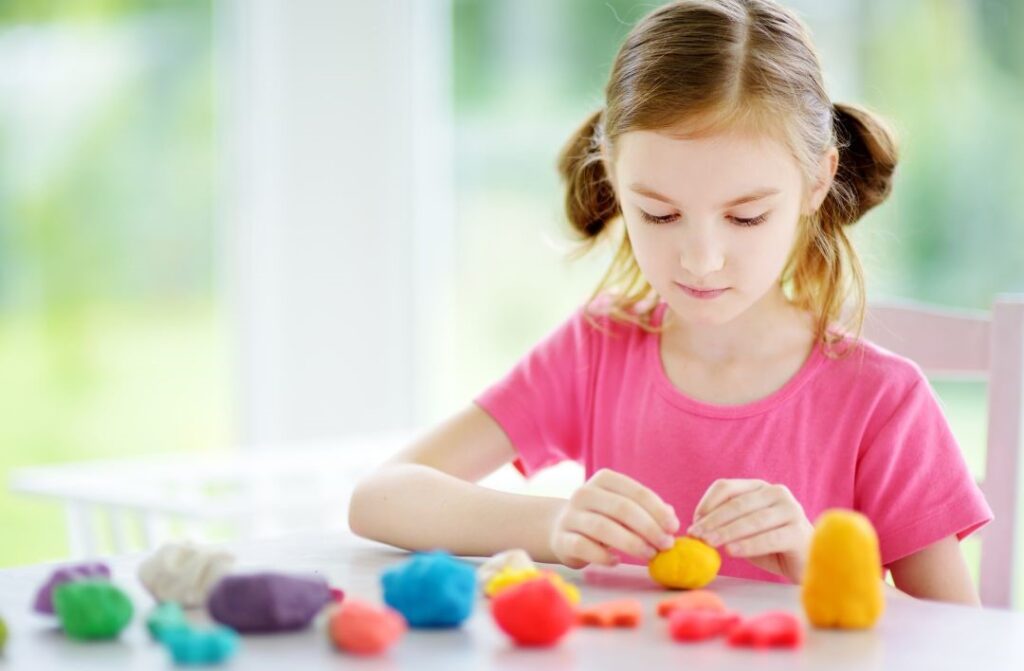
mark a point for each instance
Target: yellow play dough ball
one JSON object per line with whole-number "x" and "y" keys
{"x": 689, "y": 564}
{"x": 507, "y": 577}
{"x": 842, "y": 585}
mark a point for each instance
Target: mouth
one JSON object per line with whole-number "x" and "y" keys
{"x": 701, "y": 293}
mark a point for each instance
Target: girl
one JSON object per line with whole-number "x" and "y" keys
{"x": 706, "y": 386}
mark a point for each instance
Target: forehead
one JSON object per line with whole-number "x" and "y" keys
{"x": 713, "y": 166}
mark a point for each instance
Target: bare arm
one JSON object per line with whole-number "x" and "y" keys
{"x": 938, "y": 573}
{"x": 425, "y": 498}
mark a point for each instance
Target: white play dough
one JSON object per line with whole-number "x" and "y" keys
{"x": 184, "y": 573}
{"x": 516, "y": 559}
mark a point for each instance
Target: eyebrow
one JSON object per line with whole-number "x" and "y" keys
{"x": 750, "y": 197}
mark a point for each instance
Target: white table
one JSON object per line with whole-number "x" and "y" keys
{"x": 911, "y": 635}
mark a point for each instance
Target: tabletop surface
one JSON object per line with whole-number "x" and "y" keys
{"x": 911, "y": 633}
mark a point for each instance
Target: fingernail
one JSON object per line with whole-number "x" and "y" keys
{"x": 649, "y": 553}
{"x": 667, "y": 542}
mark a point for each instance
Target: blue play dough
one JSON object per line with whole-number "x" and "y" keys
{"x": 432, "y": 589}
{"x": 200, "y": 646}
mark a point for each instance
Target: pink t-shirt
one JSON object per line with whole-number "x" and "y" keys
{"x": 864, "y": 432}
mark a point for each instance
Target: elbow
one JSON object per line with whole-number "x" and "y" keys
{"x": 358, "y": 515}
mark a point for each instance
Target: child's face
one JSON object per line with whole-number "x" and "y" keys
{"x": 702, "y": 242}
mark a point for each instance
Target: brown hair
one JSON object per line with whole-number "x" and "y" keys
{"x": 710, "y": 65}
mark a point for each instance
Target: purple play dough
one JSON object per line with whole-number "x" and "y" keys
{"x": 265, "y": 602}
{"x": 44, "y": 597}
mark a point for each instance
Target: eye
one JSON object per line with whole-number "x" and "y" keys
{"x": 754, "y": 221}
{"x": 651, "y": 219}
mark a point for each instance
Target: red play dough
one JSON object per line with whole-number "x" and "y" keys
{"x": 534, "y": 612}
{"x": 776, "y": 629}
{"x": 699, "y": 624}
{"x": 621, "y": 613}
{"x": 697, "y": 599}
{"x": 365, "y": 629}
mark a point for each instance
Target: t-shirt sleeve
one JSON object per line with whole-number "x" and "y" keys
{"x": 912, "y": 480}
{"x": 543, "y": 402}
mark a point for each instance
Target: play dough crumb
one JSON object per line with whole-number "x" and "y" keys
{"x": 620, "y": 613}
{"x": 701, "y": 599}
{"x": 776, "y": 629}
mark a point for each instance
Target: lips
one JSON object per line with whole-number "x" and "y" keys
{"x": 701, "y": 294}
{"x": 703, "y": 290}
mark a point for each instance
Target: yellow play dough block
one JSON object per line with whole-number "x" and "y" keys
{"x": 689, "y": 564}
{"x": 842, "y": 586}
{"x": 508, "y": 577}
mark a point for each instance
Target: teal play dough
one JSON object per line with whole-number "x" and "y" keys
{"x": 201, "y": 646}
{"x": 164, "y": 618}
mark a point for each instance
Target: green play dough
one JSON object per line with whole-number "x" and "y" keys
{"x": 92, "y": 609}
{"x": 164, "y": 618}
{"x": 3, "y": 634}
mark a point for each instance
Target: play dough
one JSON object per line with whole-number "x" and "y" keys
{"x": 92, "y": 609}
{"x": 619, "y": 613}
{"x": 433, "y": 589}
{"x": 688, "y": 564}
{"x": 509, "y": 559}
{"x": 365, "y": 629}
{"x": 842, "y": 586}
{"x": 533, "y": 613}
{"x": 64, "y": 574}
{"x": 184, "y": 573}
{"x": 266, "y": 602}
{"x": 512, "y": 576}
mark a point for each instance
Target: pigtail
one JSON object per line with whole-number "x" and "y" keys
{"x": 590, "y": 201}
{"x": 867, "y": 160}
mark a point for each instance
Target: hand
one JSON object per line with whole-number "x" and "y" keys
{"x": 611, "y": 510}
{"x": 758, "y": 521}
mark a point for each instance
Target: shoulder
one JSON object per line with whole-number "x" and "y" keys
{"x": 871, "y": 374}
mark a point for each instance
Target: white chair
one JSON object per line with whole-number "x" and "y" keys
{"x": 967, "y": 344}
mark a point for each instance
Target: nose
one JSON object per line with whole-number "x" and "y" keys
{"x": 701, "y": 252}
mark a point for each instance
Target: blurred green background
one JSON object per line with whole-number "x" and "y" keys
{"x": 113, "y": 328}
{"x": 112, "y": 337}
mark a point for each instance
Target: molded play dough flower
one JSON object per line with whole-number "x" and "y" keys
{"x": 842, "y": 586}
{"x": 689, "y": 564}
{"x": 512, "y": 576}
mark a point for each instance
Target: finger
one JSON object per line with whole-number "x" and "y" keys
{"x": 616, "y": 482}
{"x": 751, "y": 524}
{"x": 581, "y": 550}
{"x": 733, "y": 509}
{"x": 608, "y": 532}
{"x": 626, "y": 512}
{"x": 769, "y": 541}
{"x": 721, "y": 491}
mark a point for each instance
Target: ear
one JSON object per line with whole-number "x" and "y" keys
{"x": 826, "y": 174}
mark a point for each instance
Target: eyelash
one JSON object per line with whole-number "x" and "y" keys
{"x": 669, "y": 218}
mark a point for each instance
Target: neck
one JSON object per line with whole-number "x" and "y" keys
{"x": 767, "y": 328}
